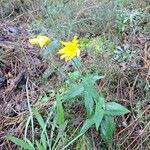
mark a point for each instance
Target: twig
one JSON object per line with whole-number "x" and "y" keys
{"x": 134, "y": 120}
{"x": 138, "y": 135}
{"x": 30, "y": 110}
{"x": 131, "y": 93}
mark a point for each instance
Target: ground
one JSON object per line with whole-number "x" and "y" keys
{"x": 127, "y": 79}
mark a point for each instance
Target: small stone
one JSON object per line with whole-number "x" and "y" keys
{"x": 13, "y": 30}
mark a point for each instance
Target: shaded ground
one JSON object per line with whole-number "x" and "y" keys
{"x": 19, "y": 62}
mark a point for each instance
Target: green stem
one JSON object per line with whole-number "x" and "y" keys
{"x": 76, "y": 66}
{"x": 72, "y": 141}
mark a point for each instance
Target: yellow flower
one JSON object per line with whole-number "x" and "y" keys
{"x": 70, "y": 50}
{"x": 40, "y": 40}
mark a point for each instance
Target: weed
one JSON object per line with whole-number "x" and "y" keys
{"x": 83, "y": 97}
{"x": 99, "y": 112}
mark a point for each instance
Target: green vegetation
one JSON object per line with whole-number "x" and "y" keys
{"x": 99, "y": 100}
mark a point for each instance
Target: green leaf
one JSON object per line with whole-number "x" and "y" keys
{"x": 38, "y": 117}
{"x": 75, "y": 90}
{"x": 19, "y": 142}
{"x": 42, "y": 125}
{"x": 51, "y": 48}
{"x": 59, "y": 110}
{"x": 76, "y": 62}
{"x": 107, "y": 129}
{"x": 89, "y": 103}
{"x": 43, "y": 140}
{"x": 87, "y": 124}
{"x": 115, "y": 109}
{"x": 99, "y": 111}
{"x": 98, "y": 116}
{"x": 40, "y": 146}
{"x": 101, "y": 101}
{"x": 89, "y": 86}
{"x": 95, "y": 78}
{"x": 75, "y": 75}
{"x": 30, "y": 143}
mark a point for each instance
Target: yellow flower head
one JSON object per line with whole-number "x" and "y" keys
{"x": 40, "y": 40}
{"x": 70, "y": 50}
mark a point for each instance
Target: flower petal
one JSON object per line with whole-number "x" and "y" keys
{"x": 40, "y": 40}
{"x": 70, "y": 49}
{"x": 75, "y": 38}
{"x": 33, "y": 41}
{"x": 61, "y": 51}
{"x": 78, "y": 52}
{"x": 67, "y": 59}
{"x": 62, "y": 56}
{"x": 64, "y": 43}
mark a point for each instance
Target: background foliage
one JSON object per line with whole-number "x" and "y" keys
{"x": 114, "y": 41}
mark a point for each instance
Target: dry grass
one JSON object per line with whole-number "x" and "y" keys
{"x": 19, "y": 61}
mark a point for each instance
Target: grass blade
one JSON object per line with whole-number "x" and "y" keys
{"x": 19, "y": 142}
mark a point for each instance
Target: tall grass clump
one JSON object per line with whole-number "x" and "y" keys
{"x": 65, "y": 18}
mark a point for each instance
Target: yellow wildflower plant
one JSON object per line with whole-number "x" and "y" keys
{"x": 40, "y": 40}
{"x": 70, "y": 49}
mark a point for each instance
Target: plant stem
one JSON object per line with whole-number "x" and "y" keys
{"x": 30, "y": 110}
{"x": 72, "y": 141}
{"x": 76, "y": 66}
